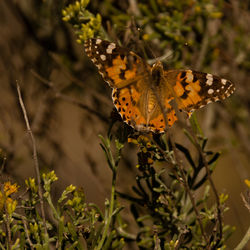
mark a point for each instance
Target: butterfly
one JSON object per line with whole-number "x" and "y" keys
{"x": 143, "y": 94}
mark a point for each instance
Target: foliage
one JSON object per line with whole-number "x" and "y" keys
{"x": 182, "y": 27}
{"x": 163, "y": 211}
{"x": 72, "y": 219}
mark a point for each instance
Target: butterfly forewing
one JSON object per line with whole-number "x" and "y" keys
{"x": 194, "y": 89}
{"x": 118, "y": 66}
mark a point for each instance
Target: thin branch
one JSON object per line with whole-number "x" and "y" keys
{"x": 244, "y": 241}
{"x": 70, "y": 99}
{"x": 246, "y": 203}
{"x": 36, "y": 164}
{"x": 77, "y": 81}
{"x": 7, "y": 226}
{"x": 27, "y": 232}
{"x": 190, "y": 193}
{"x": 217, "y": 199}
{"x": 184, "y": 181}
{"x": 205, "y": 163}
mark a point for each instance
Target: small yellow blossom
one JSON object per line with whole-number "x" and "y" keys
{"x": 5, "y": 200}
{"x": 150, "y": 161}
{"x": 145, "y": 37}
{"x": 9, "y": 188}
{"x": 247, "y": 182}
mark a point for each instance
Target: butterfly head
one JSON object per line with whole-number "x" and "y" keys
{"x": 157, "y": 72}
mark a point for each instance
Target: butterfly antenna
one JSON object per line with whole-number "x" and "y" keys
{"x": 167, "y": 56}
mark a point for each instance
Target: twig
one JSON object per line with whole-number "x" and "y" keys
{"x": 27, "y": 232}
{"x": 70, "y": 99}
{"x": 190, "y": 193}
{"x": 246, "y": 203}
{"x": 217, "y": 199}
{"x": 36, "y": 164}
{"x": 244, "y": 241}
{"x": 183, "y": 181}
{"x": 109, "y": 216}
{"x": 8, "y": 227}
{"x": 78, "y": 82}
{"x": 3, "y": 164}
{"x": 113, "y": 163}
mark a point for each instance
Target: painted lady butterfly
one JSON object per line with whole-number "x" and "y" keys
{"x": 142, "y": 93}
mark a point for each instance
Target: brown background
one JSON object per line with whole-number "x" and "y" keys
{"x": 67, "y": 135}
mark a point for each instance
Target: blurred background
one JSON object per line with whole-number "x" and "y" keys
{"x": 68, "y": 103}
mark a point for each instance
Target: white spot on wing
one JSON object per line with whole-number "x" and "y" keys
{"x": 109, "y": 51}
{"x": 103, "y": 57}
{"x": 98, "y": 41}
{"x": 224, "y": 81}
{"x": 210, "y": 91}
{"x": 190, "y": 76}
{"x": 209, "y": 81}
{"x": 110, "y": 48}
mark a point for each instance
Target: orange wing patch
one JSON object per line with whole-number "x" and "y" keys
{"x": 157, "y": 124}
{"x": 187, "y": 90}
{"x": 126, "y": 102}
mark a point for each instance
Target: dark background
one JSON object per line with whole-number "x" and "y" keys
{"x": 39, "y": 51}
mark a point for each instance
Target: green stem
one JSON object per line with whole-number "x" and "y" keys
{"x": 110, "y": 213}
{"x": 49, "y": 200}
{"x": 244, "y": 241}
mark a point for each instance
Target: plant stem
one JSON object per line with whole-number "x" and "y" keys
{"x": 36, "y": 164}
{"x": 110, "y": 213}
{"x": 189, "y": 192}
{"x": 244, "y": 241}
{"x": 217, "y": 199}
{"x": 113, "y": 165}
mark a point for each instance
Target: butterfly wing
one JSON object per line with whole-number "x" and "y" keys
{"x": 127, "y": 74}
{"x": 118, "y": 66}
{"x": 191, "y": 90}
{"x": 194, "y": 90}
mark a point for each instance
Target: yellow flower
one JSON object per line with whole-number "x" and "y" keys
{"x": 9, "y": 188}
{"x": 5, "y": 200}
{"x": 150, "y": 161}
{"x": 11, "y": 205}
{"x": 247, "y": 183}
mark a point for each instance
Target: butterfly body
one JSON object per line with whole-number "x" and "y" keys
{"x": 143, "y": 94}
